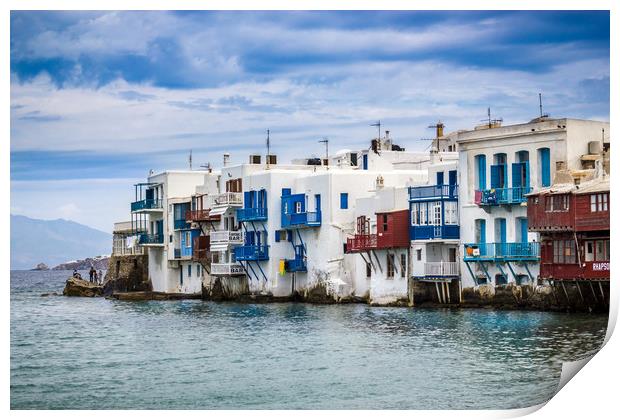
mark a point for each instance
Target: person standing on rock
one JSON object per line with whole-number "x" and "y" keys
{"x": 100, "y": 277}
{"x": 92, "y": 273}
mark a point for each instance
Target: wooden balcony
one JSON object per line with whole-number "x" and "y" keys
{"x": 203, "y": 215}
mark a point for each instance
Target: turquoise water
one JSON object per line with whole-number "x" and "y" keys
{"x": 93, "y": 353}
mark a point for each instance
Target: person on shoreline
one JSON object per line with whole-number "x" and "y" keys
{"x": 100, "y": 278}
{"x": 92, "y": 273}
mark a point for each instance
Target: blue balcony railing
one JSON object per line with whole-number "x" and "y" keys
{"x": 434, "y": 232}
{"x": 502, "y": 251}
{"x": 252, "y": 253}
{"x": 146, "y": 239}
{"x": 299, "y": 262}
{"x": 146, "y": 204}
{"x": 428, "y": 192}
{"x": 310, "y": 219}
{"x": 252, "y": 214}
{"x": 498, "y": 196}
{"x": 182, "y": 224}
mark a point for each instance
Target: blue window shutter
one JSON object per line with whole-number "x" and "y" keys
{"x": 483, "y": 231}
{"x": 517, "y": 171}
{"x": 344, "y": 200}
{"x": 502, "y": 230}
{"x": 289, "y": 234}
{"x": 246, "y": 200}
{"x": 277, "y": 236}
{"x": 365, "y": 162}
{"x": 440, "y": 178}
{"x": 482, "y": 172}
{"x": 317, "y": 202}
{"x": 527, "y": 174}
{"x": 545, "y": 167}
{"x": 524, "y": 230}
{"x": 452, "y": 178}
{"x": 495, "y": 175}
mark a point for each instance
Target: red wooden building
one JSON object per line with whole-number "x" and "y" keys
{"x": 392, "y": 232}
{"x": 573, "y": 222}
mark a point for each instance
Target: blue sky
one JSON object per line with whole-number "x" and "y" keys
{"x": 99, "y": 98}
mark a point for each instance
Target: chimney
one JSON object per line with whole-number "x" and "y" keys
{"x": 226, "y": 159}
{"x": 439, "y": 129}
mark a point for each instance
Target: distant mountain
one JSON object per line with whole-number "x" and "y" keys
{"x": 53, "y": 242}
{"x": 99, "y": 263}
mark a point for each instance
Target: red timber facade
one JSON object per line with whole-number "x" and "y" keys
{"x": 392, "y": 232}
{"x": 573, "y": 223}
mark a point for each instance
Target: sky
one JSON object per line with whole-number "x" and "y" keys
{"x": 100, "y": 98}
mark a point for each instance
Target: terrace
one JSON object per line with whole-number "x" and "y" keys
{"x": 502, "y": 251}
{"x": 501, "y": 196}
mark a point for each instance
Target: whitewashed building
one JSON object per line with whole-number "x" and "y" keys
{"x": 498, "y": 165}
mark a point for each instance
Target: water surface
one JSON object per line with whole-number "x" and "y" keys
{"x": 93, "y": 353}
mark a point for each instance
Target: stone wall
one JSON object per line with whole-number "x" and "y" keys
{"x": 127, "y": 273}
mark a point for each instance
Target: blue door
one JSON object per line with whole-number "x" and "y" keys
{"x": 317, "y": 202}
{"x": 439, "y": 178}
{"x": 502, "y": 236}
{"x": 482, "y": 236}
{"x": 365, "y": 162}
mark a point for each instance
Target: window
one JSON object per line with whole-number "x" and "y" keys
{"x": 385, "y": 222}
{"x": 599, "y": 202}
{"x": 189, "y": 270}
{"x": 344, "y": 201}
{"x": 403, "y": 265}
{"x": 557, "y": 203}
{"x": 437, "y": 213}
{"x": 368, "y": 269}
{"x": 390, "y": 266}
{"x": 188, "y": 239}
{"x": 418, "y": 254}
{"x": 197, "y": 270}
{"x": 451, "y": 213}
{"x": 415, "y": 214}
{"x": 544, "y": 166}
{"x": 481, "y": 172}
{"x": 500, "y": 279}
{"x": 423, "y": 213}
{"x": 589, "y": 254}
{"x": 298, "y": 207}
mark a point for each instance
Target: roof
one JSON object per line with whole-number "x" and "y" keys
{"x": 596, "y": 185}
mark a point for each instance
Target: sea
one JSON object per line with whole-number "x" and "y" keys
{"x": 97, "y": 353}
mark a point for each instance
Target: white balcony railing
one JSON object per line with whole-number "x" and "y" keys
{"x": 227, "y": 237}
{"x": 227, "y": 198}
{"x": 226, "y": 269}
{"x": 443, "y": 269}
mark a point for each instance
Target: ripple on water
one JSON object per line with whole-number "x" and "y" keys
{"x": 97, "y": 353}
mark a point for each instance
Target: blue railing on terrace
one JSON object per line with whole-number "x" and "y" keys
{"x": 145, "y": 239}
{"x": 252, "y": 253}
{"x": 299, "y": 262}
{"x": 434, "y": 192}
{"x": 182, "y": 224}
{"x": 309, "y": 218}
{"x": 146, "y": 204}
{"x": 252, "y": 214}
{"x": 497, "y": 196}
{"x": 502, "y": 251}
{"x": 422, "y": 232}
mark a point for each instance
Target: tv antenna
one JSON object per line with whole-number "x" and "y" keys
{"x": 540, "y": 106}
{"x": 206, "y": 166}
{"x": 491, "y": 121}
{"x": 378, "y": 125}
{"x": 190, "y": 159}
{"x": 326, "y": 142}
{"x": 268, "y": 148}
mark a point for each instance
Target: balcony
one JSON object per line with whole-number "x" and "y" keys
{"x": 227, "y": 199}
{"x": 201, "y": 255}
{"x": 437, "y": 269}
{"x": 227, "y": 269}
{"x": 434, "y": 192}
{"x": 502, "y": 251}
{"x": 180, "y": 224}
{"x": 501, "y": 196}
{"x": 298, "y": 264}
{"x": 201, "y": 216}
{"x": 432, "y": 232}
{"x": 306, "y": 219}
{"x": 227, "y": 237}
{"x": 148, "y": 204}
{"x": 361, "y": 243}
{"x": 253, "y": 214}
{"x": 252, "y": 253}
{"x": 151, "y": 239}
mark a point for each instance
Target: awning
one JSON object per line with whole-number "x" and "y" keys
{"x": 218, "y": 210}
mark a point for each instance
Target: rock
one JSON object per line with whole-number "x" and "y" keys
{"x": 41, "y": 267}
{"x": 49, "y": 294}
{"x": 79, "y": 287}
